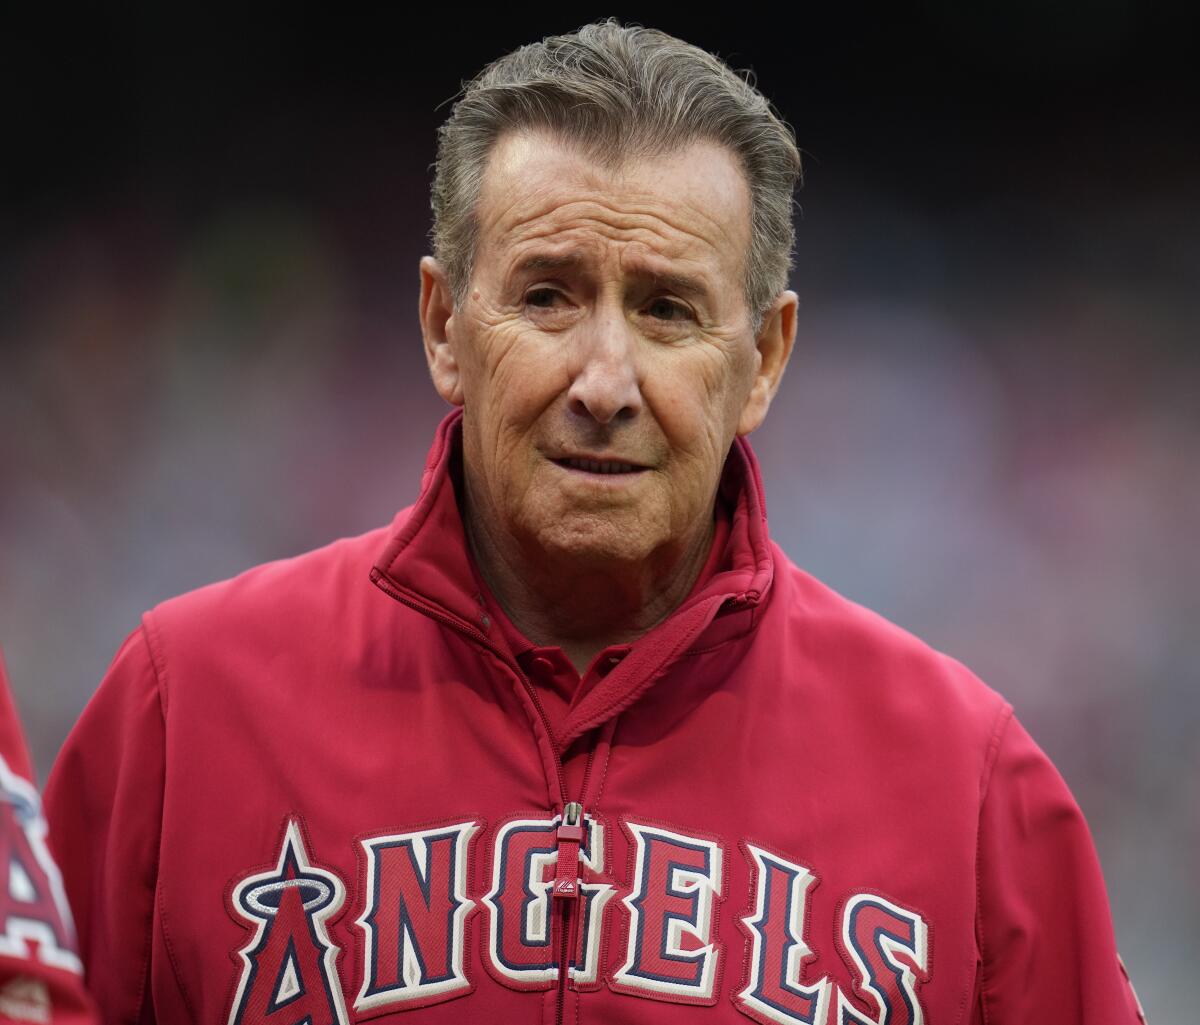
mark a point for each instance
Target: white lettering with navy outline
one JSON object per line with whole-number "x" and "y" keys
{"x": 698, "y": 886}
{"x": 900, "y": 952}
{"x": 806, "y": 1005}
{"x": 414, "y": 981}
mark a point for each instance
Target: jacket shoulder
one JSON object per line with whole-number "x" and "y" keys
{"x": 877, "y": 664}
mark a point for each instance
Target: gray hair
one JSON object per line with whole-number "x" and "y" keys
{"x": 619, "y": 92}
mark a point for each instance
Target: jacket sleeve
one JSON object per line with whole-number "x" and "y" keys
{"x": 40, "y": 972}
{"x": 104, "y": 803}
{"x": 1044, "y": 928}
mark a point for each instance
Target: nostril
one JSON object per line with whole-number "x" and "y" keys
{"x": 603, "y": 392}
{"x": 601, "y": 413}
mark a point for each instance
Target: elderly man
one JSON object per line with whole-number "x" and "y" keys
{"x": 571, "y": 739}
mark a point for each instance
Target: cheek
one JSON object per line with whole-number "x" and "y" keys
{"x": 513, "y": 378}
{"x": 697, "y": 402}
{"x": 517, "y": 378}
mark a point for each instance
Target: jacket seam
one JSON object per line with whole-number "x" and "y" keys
{"x": 755, "y": 616}
{"x": 999, "y": 729}
{"x": 154, "y": 642}
{"x": 612, "y": 743}
{"x": 538, "y": 729}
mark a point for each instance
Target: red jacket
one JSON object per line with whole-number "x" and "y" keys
{"x": 40, "y": 970}
{"x": 325, "y": 791}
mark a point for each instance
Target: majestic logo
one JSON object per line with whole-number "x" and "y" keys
{"x": 34, "y": 917}
{"x": 289, "y": 974}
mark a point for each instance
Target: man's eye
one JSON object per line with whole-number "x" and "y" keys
{"x": 541, "y": 296}
{"x": 667, "y": 309}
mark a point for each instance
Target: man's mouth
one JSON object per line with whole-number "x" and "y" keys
{"x": 609, "y": 466}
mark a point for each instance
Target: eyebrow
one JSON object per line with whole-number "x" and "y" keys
{"x": 545, "y": 261}
{"x": 684, "y": 284}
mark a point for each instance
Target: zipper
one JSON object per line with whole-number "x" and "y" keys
{"x": 566, "y": 888}
{"x": 565, "y": 895}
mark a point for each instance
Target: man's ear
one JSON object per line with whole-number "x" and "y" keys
{"x": 774, "y": 347}
{"x": 437, "y": 313}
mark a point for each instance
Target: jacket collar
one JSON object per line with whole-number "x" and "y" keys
{"x": 426, "y": 564}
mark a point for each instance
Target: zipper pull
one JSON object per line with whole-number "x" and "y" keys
{"x": 570, "y": 838}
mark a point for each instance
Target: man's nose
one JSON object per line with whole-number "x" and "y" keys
{"x": 604, "y": 376}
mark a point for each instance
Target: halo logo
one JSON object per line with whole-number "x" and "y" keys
{"x": 289, "y": 972}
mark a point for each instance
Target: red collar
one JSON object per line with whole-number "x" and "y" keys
{"x": 519, "y": 645}
{"x": 426, "y": 565}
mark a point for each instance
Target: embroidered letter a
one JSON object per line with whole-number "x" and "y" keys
{"x": 289, "y": 973}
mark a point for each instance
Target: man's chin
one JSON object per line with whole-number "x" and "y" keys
{"x": 596, "y": 540}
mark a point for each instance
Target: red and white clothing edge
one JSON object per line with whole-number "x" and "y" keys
{"x": 40, "y": 969}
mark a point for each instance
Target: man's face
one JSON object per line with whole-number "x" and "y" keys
{"x": 604, "y": 355}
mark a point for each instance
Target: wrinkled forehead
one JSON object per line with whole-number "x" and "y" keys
{"x": 691, "y": 203}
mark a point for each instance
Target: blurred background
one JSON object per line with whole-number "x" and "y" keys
{"x": 990, "y": 431}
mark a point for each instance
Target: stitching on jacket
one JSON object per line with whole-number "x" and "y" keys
{"x": 544, "y": 740}
{"x": 183, "y": 992}
{"x": 152, "y": 632}
{"x": 612, "y": 742}
{"x": 1003, "y": 718}
{"x": 741, "y": 636}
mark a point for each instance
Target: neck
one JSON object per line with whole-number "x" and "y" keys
{"x": 579, "y": 605}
